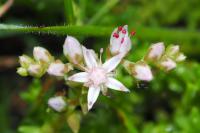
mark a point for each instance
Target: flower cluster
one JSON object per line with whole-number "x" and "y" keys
{"x": 42, "y": 62}
{"x": 96, "y": 75}
{"x": 165, "y": 59}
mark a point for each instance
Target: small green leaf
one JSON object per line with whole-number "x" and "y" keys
{"x": 73, "y": 121}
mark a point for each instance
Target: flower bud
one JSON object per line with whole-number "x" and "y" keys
{"x": 72, "y": 50}
{"x": 36, "y": 70}
{"x": 22, "y": 71}
{"x": 172, "y": 50}
{"x": 42, "y": 55}
{"x": 168, "y": 64}
{"x": 57, "y": 103}
{"x": 25, "y": 61}
{"x": 155, "y": 51}
{"x": 57, "y": 68}
{"x": 120, "y": 42}
{"x": 139, "y": 70}
{"x": 180, "y": 57}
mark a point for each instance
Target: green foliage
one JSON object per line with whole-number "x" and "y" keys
{"x": 32, "y": 92}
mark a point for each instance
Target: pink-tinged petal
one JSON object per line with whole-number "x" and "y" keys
{"x": 120, "y": 41}
{"x": 114, "y": 42}
{"x": 79, "y": 77}
{"x": 116, "y": 85}
{"x": 89, "y": 58}
{"x": 112, "y": 63}
{"x": 92, "y": 96}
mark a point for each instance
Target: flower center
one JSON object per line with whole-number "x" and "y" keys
{"x": 97, "y": 76}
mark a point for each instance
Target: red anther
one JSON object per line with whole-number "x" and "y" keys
{"x": 124, "y": 31}
{"x": 120, "y": 28}
{"x": 116, "y": 35}
{"x": 132, "y": 33}
{"x": 122, "y": 40}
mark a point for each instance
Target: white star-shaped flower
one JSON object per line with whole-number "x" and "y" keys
{"x": 98, "y": 76}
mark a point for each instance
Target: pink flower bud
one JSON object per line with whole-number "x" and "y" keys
{"x": 57, "y": 103}
{"x": 155, "y": 51}
{"x": 72, "y": 50}
{"x": 35, "y": 70}
{"x": 41, "y": 54}
{"x": 57, "y": 68}
{"x": 168, "y": 64}
{"x": 139, "y": 70}
{"x": 143, "y": 72}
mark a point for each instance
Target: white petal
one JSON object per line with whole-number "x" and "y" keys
{"x": 112, "y": 63}
{"x": 79, "y": 77}
{"x": 126, "y": 46}
{"x": 114, "y": 42}
{"x": 89, "y": 58}
{"x": 116, "y": 85}
{"x": 92, "y": 96}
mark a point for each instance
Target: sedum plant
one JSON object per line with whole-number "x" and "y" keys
{"x": 86, "y": 67}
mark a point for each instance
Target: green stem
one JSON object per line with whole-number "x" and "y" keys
{"x": 106, "y": 8}
{"x": 143, "y": 33}
{"x": 58, "y": 30}
{"x": 69, "y": 12}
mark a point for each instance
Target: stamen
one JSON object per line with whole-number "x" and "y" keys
{"x": 101, "y": 52}
{"x": 122, "y": 40}
{"x": 124, "y": 31}
{"x": 116, "y": 35}
{"x": 120, "y": 28}
{"x": 132, "y": 33}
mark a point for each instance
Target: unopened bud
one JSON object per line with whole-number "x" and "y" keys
{"x": 57, "y": 103}
{"x": 25, "y": 61}
{"x": 42, "y": 55}
{"x": 72, "y": 50}
{"x": 172, "y": 50}
{"x": 139, "y": 70}
{"x": 155, "y": 51}
{"x": 57, "y": 68}
{"x": 180, "y": 57}
{"x": 168, "y": 64}
{"x": 35, "y": 70}
{"x": 22, "y": 71}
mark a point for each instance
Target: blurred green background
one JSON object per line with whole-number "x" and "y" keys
{"x": 168, "y": 104}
